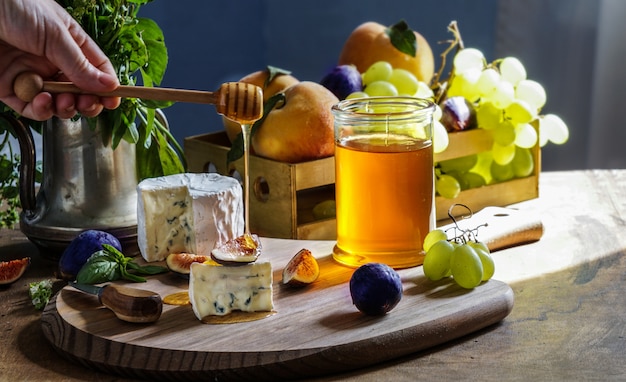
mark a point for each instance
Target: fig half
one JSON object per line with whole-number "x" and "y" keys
{"x": 241, "y": 250}
{"x": 181, "y": 262}
{"x": 11, "y": 271}
{"x": 301, "y": 270}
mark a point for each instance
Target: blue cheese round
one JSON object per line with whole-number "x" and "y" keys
{"x": 187, "y": 213}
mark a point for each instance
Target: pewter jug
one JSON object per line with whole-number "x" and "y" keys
{"x": 86, "y": 184}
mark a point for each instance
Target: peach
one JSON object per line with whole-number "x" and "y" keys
{"x": 301, "y": 128}
{"x": 369, "y": 43}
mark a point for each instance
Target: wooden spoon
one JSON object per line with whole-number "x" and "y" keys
{"x": 238, "y": 101}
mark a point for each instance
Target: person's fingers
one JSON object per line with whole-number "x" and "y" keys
{"x": 89, "y": 105}
{"x": 64, "y": 105}
{"x": 79, "y": 57}
{"x": 110, "y": 102}
{"x": 67, "y": 49}
{"x": 40, "y": 108}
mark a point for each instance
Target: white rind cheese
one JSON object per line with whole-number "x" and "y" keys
{"x": 218, "y": 290}
{"x": 187, "y": 213}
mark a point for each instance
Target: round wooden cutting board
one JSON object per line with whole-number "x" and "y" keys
{"x": 316, "y": 330}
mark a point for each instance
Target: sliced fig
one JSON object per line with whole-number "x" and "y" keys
{"x": 301, "y": 270}
{"x": 11, "y": 271}
{"x": 181, "y": 262}
{"x": 241, "y": 250}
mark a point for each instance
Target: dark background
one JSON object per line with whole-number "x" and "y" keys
{"x": 559, "y": 41}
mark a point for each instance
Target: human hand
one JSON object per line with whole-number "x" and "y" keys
{"x": 40, "y": 36}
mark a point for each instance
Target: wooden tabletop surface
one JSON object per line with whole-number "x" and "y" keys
{"x": 568, "y": 322}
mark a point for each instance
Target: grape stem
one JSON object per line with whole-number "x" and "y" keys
{"x": 437, "y": 86}
{"x": 465, "y": 235}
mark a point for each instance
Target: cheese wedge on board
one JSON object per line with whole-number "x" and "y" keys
{"x": 216, "y": 290}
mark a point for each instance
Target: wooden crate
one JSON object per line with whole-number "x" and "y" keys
{"x": 282, "y": 195}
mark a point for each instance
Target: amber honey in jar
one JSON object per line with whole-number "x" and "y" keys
{"x": 384, "y": 180}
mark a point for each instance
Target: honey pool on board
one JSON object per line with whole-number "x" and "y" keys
{"x": 384, "y": 193}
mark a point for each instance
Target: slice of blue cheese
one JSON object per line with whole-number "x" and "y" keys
{"x": 187, "y": 213}
{"x": 216, "y": 290}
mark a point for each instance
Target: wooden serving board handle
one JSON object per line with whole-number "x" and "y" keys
{"x": 499, "y": 227}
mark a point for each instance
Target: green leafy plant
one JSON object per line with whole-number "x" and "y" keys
{"x": 136, "y": 47}
{"x": 109, "y": 264}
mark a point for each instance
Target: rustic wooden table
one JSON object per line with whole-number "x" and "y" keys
{"x": 568, "y": 322}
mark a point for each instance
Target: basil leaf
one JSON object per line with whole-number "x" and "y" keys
{"x": 154, "y": 40}
{"x": 99, "y": 268}
{"x": 130, "y": 277}
{"x": 146, "y": 269}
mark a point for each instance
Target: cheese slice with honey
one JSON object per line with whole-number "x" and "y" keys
{"x": 187, "y": 213}
{"x": 216, "y": 290}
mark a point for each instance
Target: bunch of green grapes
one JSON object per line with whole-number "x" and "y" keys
{"x": 468, "y": 261}
{"x": 507, "y": 104}
{"x": 381, "y": 79}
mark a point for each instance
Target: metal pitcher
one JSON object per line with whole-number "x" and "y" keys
{"x": 85, "y": 185}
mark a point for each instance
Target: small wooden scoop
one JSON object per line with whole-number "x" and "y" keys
{"x": 128, "y": 304}
{"x": 238, "y": 101}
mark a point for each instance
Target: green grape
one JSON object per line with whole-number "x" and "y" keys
{"x": 525, "y": 136}
{"x": 432, "y": 237}
{"x": 357, "y": 95}
{"x": 532, "y": 92}
{"x": 489, "y": 266}
{"x": 468, "y": 58}
{"x": 502, "y": 155}
{"x": 504, "y": 134}
{"x": 487, "y": 82}
{"x": 472, "y": 180}
{"x": 461, "y": 164}
{"x": 488, "y": 116}
{"x": 501, "y": 173}
{"x": 437, "y": 113}
{"x": 404, "y": 81}
{"x": 447, "y": 186}
{"x": 554, "y": 129}
{"x": 424, "y": 91}
{"x": 503, "y": 95}
{"x": 459, "y": 178}
{"x": 380, "y": 88}
{"x": 519, "y": 112}
{"x": 440, "y": 137}
{"x": 466, "y": 267}
{"x": 437, "y": 260}
{"x": 512, "y": 70}
{"x": 464, "y": 84}
{"x": 324, "y": 210}
{"x": 479, "y": 245}
{"x": 483, "y": 166}
{"x": 523, "y": 163}
{"x": 378, "y": 71}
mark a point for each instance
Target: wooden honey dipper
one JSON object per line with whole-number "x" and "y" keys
{"x": 238, "y": 101}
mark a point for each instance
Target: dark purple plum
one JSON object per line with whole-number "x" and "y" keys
{"x": 375, "y": 288}
{"x": 343, "y": 80}
{"x": 80, "y": 250}
{"x": 458, "y": 114}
